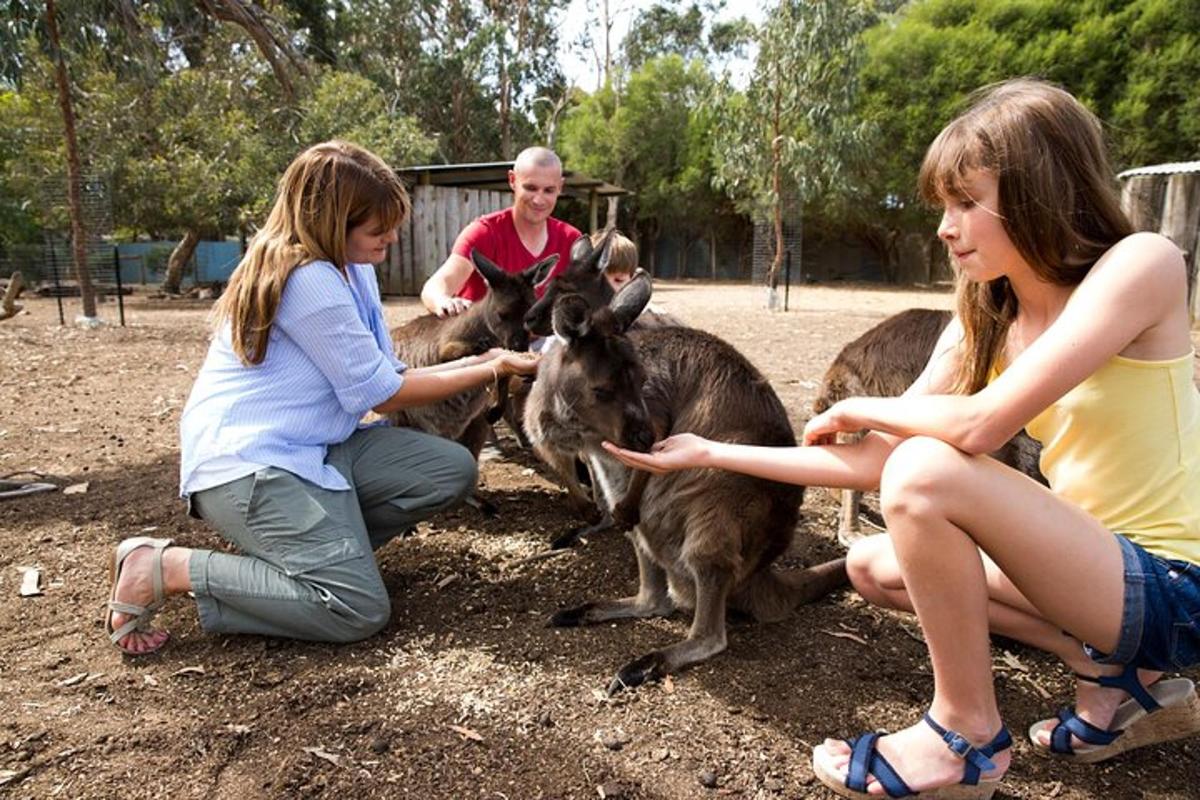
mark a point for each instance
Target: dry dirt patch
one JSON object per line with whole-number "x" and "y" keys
{"x": 466, "y": 693}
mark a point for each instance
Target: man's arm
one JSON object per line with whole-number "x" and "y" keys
{"x": 438, "y": 292}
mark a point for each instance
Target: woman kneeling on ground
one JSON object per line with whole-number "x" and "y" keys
{"x": 1073, "y": 326}
{"x": 274, "y": 455}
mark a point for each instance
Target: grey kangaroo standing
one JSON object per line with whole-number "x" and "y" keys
{"x": 495, "y": 321}
{"x": 884, "y": 362}
{"x": 560, "y": 449}
{"x": 704, "y": 539}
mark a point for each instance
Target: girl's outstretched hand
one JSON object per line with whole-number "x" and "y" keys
{"x": 681, "y": 451}
{"x": 824, "y": 427}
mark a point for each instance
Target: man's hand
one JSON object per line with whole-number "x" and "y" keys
{"x": 450, "y": 306}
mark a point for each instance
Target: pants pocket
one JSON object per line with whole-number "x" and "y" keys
{"x": 302, "y": 527}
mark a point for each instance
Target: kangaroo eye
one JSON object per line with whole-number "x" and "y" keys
{"x": 602, "y": 395}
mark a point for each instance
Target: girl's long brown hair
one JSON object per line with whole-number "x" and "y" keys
{"x": 1058, "y": 200}
{"x": 328, "y": 190}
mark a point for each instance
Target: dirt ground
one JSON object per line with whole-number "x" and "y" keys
{"x": 466, "y": 694}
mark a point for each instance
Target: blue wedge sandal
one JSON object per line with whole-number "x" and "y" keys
{"x": 1162, "y": 712}
{"x": 865, "y": 761}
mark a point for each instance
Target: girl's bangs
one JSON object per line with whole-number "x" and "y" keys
{"x": 952, "y": 154}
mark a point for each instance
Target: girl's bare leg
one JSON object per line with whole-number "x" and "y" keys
{"x": 942, "y": 508}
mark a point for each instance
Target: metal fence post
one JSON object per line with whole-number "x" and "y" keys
{"x": 787, "y": 277}
{"x": 120, "y": 294}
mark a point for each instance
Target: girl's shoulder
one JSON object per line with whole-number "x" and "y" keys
{"x": 1146, "y": 255}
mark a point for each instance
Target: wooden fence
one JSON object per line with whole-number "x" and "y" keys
{"x": 1170, "y": 204}
{"x": 439, "y": 213}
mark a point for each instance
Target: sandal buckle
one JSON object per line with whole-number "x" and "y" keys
{"x": 958, "y": 744}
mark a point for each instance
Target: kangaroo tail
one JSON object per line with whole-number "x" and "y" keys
{"x": 772, "y": 595}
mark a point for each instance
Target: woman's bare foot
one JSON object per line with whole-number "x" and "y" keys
{"x": 921, "y": 757}
{"x": 135, "y": 585}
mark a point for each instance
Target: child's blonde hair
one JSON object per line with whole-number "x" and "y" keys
{"x": 328, "y": 190}
{"x": 622, "y": 253}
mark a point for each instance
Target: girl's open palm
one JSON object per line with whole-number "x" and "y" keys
{"x": 681, "y": 451}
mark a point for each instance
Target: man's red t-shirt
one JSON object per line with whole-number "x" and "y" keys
{"x": 495, "y": 236}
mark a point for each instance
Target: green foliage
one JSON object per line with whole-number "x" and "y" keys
{"x": 795, "y": 116}
{"x": 653, "y": 136}
{"x": 1135, "y": 63}
{"x": 348, "y": 106}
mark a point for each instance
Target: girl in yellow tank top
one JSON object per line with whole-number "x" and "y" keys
{"x": 1091, "y": 320}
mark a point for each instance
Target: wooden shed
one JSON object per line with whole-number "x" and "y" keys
{"x": 1166, "y": 198}
{"x": 448, "y": 197}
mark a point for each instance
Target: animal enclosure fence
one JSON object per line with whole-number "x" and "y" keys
{"x": 1166, "y": 198}
{"x": 438, "y": 214}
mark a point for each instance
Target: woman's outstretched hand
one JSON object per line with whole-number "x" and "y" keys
{"x": 824, "y": 427}
{"x": 681, "y": 451}
{"x": 509, "y": 362}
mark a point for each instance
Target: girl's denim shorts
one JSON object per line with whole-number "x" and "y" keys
{"x": 1160, "y": 626}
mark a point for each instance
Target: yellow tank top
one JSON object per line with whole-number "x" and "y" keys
{"x": 1124, "y": 445}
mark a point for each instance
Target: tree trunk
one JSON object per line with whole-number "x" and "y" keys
{"x": 179, "y": 259}
{"x": 505, "y": 108}
{"x": 712, "y": 250}
{"x": 776, "y": 195}
{"x": 74, "y": 173}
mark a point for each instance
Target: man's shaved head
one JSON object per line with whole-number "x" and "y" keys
{"x": 537, "y": 158}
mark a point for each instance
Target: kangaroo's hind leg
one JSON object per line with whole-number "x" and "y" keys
{"x": 706, "y": 638}
{"x": 651, "y": 600}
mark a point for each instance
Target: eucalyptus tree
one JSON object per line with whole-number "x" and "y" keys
{"x": 793, "y": 126}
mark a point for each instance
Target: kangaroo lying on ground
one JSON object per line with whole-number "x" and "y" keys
{"x": 884, "y": 362}
{"x": 495, "y": 321}
{"x": 704, "y": 539}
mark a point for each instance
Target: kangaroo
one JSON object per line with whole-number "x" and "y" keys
{"x": 583, "y": 278}
{"x": 495, "y": 321}
{"x": 884, "y": 362}
{"x": 704, "y": 539}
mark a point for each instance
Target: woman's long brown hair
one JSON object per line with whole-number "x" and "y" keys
{"x": 1058, "y": 200}
{"x": 328, "y": 190}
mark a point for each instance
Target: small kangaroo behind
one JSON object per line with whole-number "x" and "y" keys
{"x": 705, "y": 539}
{"x": 884, "y": 362}
{"x": 495, "y": 321}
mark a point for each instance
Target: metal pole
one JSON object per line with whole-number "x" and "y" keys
{"x": 120, "y": 295}
{"x": 787, "y": 277}
{"x": 58, "y": 290}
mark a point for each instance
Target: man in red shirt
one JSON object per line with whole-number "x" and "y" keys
{"x": 513, "y": 238}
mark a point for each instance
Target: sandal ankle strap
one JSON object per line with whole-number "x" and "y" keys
{"x": 1128, "y": 682}
{"x": 977, "y": 760}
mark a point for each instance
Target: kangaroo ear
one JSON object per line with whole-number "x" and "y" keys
{"x": 581, "y": 250}
{"x": 571, "y": 317}
{"x": 628, "y": 303}
{"x": 487, "y": 268}
{"x": 605, "y": 250}
{"x": 539, "y": 273}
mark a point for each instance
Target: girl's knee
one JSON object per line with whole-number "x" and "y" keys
{"x": 867, "y": 563}
{"x": 918, "y": 471}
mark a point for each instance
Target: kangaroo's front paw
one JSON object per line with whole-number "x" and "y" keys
{"x": 626, "y": 516}
{"x": 570, "y": 538}
{"x": 650, "y": 667}
{"x": 572, "y": 617}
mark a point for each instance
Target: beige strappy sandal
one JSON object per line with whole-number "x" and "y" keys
{"x": 141, "y": 615}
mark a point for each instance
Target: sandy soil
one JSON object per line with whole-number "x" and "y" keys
{"x": 466, "y": 694}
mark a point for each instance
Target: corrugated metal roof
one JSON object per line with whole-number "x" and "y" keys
{"x": 1177, "y": 168}
{"x": 494, "y": 175}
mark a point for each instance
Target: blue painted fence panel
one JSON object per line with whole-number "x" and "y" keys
{"x": 146, "y": 262}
